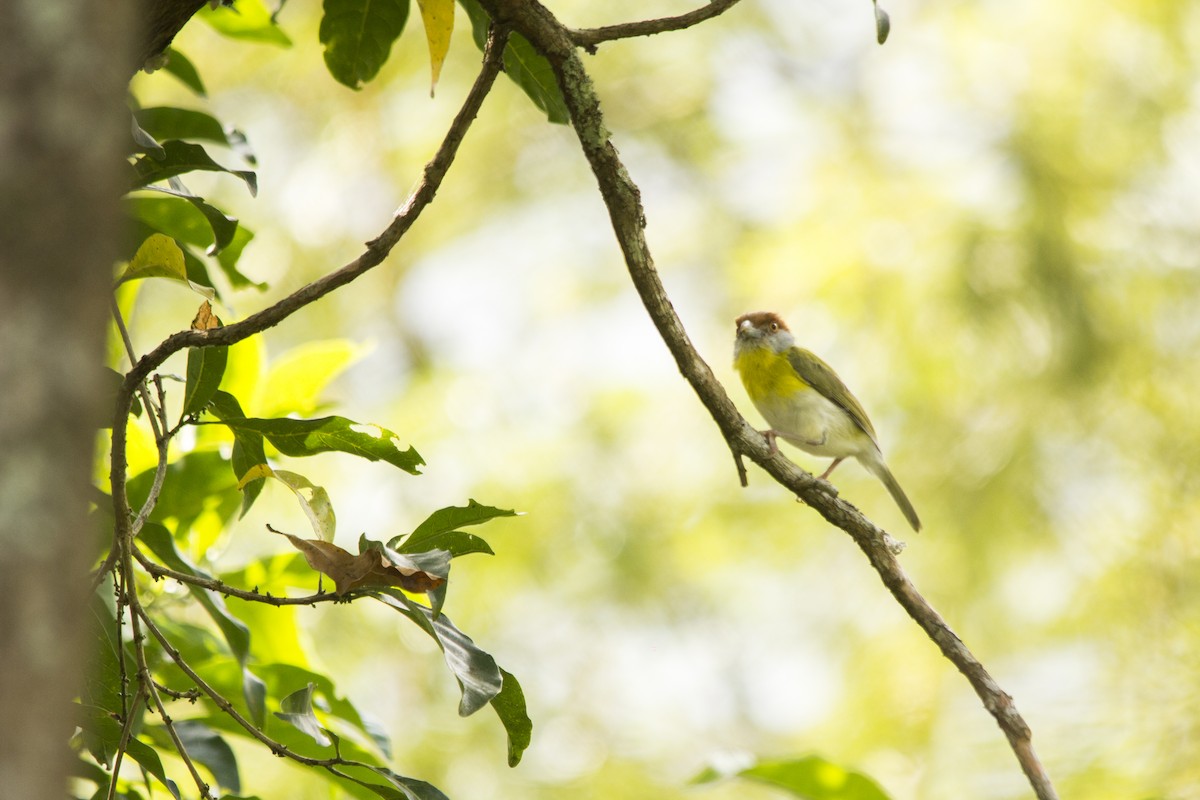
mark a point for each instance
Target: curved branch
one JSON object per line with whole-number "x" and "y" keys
{"x": 588, "y": 38}
{"x": 623, "y": 200}
{"x": 377, "y": 250}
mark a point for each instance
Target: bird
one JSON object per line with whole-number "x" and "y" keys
{"x": 806, "y": 403}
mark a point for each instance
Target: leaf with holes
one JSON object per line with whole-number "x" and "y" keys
{"x": 307, "y": 437}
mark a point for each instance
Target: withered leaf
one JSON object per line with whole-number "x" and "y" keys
{"x": 205, "y": 319}
{"x": 370, "y": 568}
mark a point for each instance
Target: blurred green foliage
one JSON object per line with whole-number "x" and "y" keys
{"x": 988, "y": 226}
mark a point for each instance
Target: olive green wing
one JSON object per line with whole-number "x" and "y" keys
{"x": 819, "y": 375}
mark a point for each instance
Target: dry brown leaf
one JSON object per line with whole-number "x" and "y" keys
{"x": 205, "y": 319}
{"x": 349, "y": 571}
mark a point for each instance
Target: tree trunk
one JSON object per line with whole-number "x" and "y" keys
{"x": 64, "y": 67}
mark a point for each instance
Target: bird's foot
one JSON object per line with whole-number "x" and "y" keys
{"x": 772, "y": 445}
{"x": 825, "y": 475}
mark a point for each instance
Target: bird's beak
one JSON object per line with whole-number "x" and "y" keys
{"x": 745, "y": 329}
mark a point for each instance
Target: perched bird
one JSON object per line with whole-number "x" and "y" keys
{"x": 805, "y": 402}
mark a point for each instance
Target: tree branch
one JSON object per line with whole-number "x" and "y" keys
{"x": 588, "y": 38}
{"x": 276, "y": 747}
{"x": 377, "y": 250}
{"x": 160, "y": 21}
{"x": 623, "y": 200}
{"x": 215, "y": 585}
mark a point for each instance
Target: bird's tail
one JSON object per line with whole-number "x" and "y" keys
{"x": 880, "y": 470}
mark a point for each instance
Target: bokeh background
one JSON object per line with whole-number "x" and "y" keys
{"x": 990, "y": 226}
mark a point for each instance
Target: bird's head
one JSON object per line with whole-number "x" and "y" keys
{"x": 762, "y": 329}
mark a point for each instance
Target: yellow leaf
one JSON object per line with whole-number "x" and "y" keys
{"x": 254, "y": 473}
{"x": 438, "y": 16}
{"x": 160, "y": 257}
{"x": 314, "y": 500}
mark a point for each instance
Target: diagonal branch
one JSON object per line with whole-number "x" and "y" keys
{"x": 623, "y": 200}
{"x": 588, "y": 38}
{"x": 377, "y": 250}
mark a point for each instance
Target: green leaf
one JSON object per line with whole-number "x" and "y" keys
{"x": 388, "y": 792}
{"x": 228, "y": 259}
{"x": 182, "y": 68}
{"x": 285, "y": 675}
{"x": 205, "y": 368}
{"x": 247, "y": 20}
{"x": 477, "y": 673}
{"x": 196, "y": 484}
{"x": 510, "y": 707}
{"x": 145, "y": 142}
{"x": 210, "y": 749}
{"x": 98, "y": 723}
{"x": 186, "y": 218}
{"x": 533, "y": 73}
{"x": 439, "y": 530}
{"x": 296, "y": 710}
{"x": 182, "y": 157}
{"x": 254, "y": 691}
{"x": 168, "y": 122}
{"x": 412, "y": 788}
{"x": 307, "y": 437}
{"x": 113, "y": 381}
{"x": 162, "y": 544}
{"x": 296, "y": 379}
{"x": 883, "y": 23}
{"x": 248, "y": 450}
{"x": 431, "y": 562}
{"x": 524, "y": 65}
{"x": 811, "y": 778}
{"x": 102, "y": 671}
{"x": 358, "y": 37}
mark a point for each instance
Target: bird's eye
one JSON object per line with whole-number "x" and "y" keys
{"x": 774, "y": 326}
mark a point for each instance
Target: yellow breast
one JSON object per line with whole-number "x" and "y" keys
{"x": 767, "y": 375}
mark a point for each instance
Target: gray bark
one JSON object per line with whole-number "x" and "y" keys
{"x": 64, "y": 66}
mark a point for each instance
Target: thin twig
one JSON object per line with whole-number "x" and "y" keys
{"x": 126, "y": 734}
{"x": 162, "y": 440}
{"x": 180, "y": 748}
{"x": 588, "y": 38}
{"x": 157, "y": 416}
{"x": 191, "y": 695}
{"x": 276, "y": 747}
{"x": 377, "y": 250}
{"x": 627, "y": 215}
{"x": 215, "y": 585}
